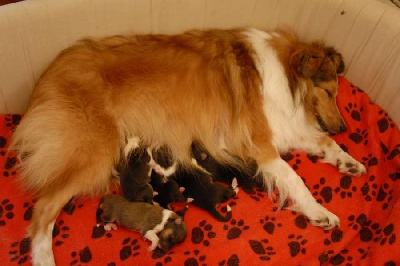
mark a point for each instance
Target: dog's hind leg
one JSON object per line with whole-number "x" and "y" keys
{"x": 53, "y": 198}
{"x": 45, "y": 212}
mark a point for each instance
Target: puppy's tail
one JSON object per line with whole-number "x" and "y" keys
{"x": 214, "y": 212}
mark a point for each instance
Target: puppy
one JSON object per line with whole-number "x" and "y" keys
{"x": 244, "y": 171}
{"x": 168, "y": 191}
{"x": 241, "y": 92}
{"x": 148, "y": 219}
{"x": 135, "y": 177}
{"x": 205, "y": 193}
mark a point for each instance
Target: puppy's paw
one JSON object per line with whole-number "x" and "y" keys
{"x": 110, "y": 226}
{"x": 151, "y": 247}
{"x": 350, "y": 166}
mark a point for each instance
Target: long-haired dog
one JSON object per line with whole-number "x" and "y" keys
{"x": 242, "y": 92}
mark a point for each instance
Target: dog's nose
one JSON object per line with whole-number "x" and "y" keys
{"x": 342, "y": 128}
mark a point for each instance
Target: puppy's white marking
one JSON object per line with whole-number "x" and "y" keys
{"x": 152, "y": 234}
{"x": 132, "y": 143}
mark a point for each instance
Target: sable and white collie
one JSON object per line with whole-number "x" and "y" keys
{"x": 242, "y": 92}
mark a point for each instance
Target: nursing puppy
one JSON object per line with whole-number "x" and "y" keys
{"x": 204, "y": 192}
{"x": 242, "y": 92}
{"x": 168, "y": 191}
{"x": 245, "y": 172}
{"x": 135, "y": 177}
{"x": 148, "y": 219}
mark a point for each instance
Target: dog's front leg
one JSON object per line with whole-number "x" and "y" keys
{"x": 332, "y": 153}
{"x": 290, "y": 185}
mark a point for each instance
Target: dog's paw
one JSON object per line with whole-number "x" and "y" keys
{"x": 319, "y": 216}
{"x": 350, "y": 166}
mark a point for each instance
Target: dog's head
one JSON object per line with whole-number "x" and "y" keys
{"x": 174, "y": 232}
{"x": 316, "y": 67}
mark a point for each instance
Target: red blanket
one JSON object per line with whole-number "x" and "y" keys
{"x": 368, "y": 206}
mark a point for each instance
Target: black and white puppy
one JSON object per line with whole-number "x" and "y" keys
{"x": 205, "y": 193}
{"x": 146, "y": 218}
{"x": 244, "y": 171}
{"x": 168, "y": 191}
{"x": 135, "y": 176}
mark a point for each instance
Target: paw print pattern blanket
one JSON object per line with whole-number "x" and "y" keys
{"x": 259, "y": 232}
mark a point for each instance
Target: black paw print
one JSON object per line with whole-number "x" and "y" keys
{"x": 6, "y": 208}
{"x": 9, "y": 166}
{"x": 195, "y": 259}
{"x": 383, "y": 194}
{"x": 255, "y": 193}
{"x": 355, "y": 90}
{"x": 324, "y": 191}
{"x": 346, "y": 189}
{"x": 359, "y": 136}
{"x": 70, "y": 207}
{"x": 369, "y": 231}
{"x": 60, "y": 230}
{"x": 28, "y": 212}
{"x": 390, "y": 155}
{"x": 384, "y": 122}
{"x": 19, "y": 251}
{"x": 370, "y": 160}
{"x": 198, "y": 233}
{"x": 233, "y": 260}
{"x": 3, "y": 144}
{"x": 269, "y": 224}
{"x": 296, "y": 245}
{"x": 336, "y": 235}
{"x": 83, "y": 256}
{"x": 300, "y": 221}
{"x": 288, "y": 157}
{"x": 334, "y": 259}
{"x": 99, "y": 231}
{"x": 237, "y": 229}
{"x": 313, "y": 158}
{"x": 354, "y": 111}
{"x": 12, "y": 120}
{"x": 130, "y": 248}
{"x": 262, "y": 248}
{"x": 394, "y": 176}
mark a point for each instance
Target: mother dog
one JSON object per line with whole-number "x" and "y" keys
{"x": 243, "y": 92}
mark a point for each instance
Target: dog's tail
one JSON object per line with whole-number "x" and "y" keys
{"x": 218, "y": 215}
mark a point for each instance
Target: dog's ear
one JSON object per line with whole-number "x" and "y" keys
{"x": 306, "y": 62}
{"x": 336, "y": 59}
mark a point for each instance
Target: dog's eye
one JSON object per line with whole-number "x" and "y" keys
{"x": 329, "y": 93}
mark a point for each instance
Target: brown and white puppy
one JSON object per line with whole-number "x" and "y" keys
{"x": 243, "y": 92}
{"x": 146, "y": 218}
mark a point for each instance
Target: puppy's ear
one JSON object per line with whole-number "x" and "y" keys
{"x": 336, "y": 59}
{"x": 306, "y": 62}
